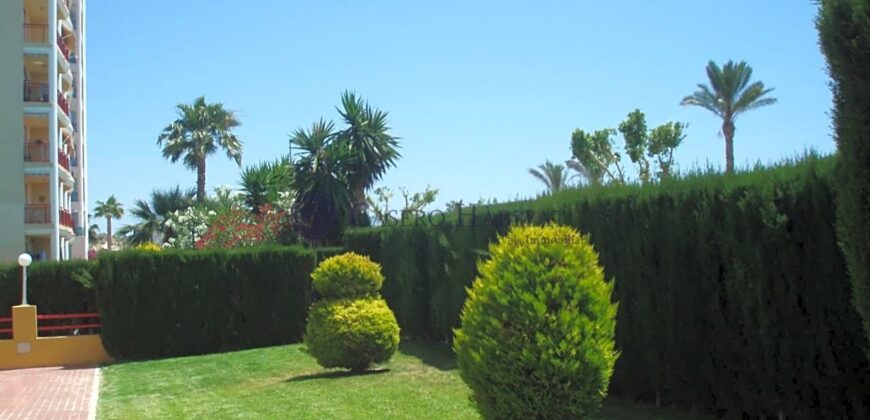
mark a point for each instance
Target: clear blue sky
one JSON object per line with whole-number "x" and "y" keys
{"x": 478, "y": 91}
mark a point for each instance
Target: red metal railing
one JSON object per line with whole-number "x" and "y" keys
{"x": 63, "y": 48}
{"x": 6, "y": 331}
{"x": 37, "y": 214}
{"x": 64, "y": 105}
{"x": 35, "y": 92}
{"x": 66, "y": 219}
{"x": 67, "y": 322}
{"x": 36, "y": 152}
{"x": 63, "y": 160}
{"x": 36, "y": 32}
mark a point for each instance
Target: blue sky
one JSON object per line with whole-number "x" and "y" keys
{"x": 478, "y": 91}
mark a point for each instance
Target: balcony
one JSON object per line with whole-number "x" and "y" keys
{"x": 36, "y": 33}
{"x": 35, "y": 92}
{"x": 63, "y": 48}
{"x": 63, "y": 160}
{"x": 37, "y": 214}
{"x": 36, "y": 152}
{"x": 64, "y": 105}
{"x": 66, "y": 219}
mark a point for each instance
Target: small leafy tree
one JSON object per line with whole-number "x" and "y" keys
{"x": 413, "y": 203}
{"x": 663, "y": 140}
{"x": 596, "y": 152}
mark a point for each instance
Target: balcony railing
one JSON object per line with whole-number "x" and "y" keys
{"x": 66, "y": 219}
{"x": 63, "y": 160}
{"x": 63, "y": 48}
{"x": 36, "y": 32}
{"x": 37, "y": 214}
{"x": 36, "y": 152}
{"x": 35, "y": 92}
{"x": 64, "y": 105}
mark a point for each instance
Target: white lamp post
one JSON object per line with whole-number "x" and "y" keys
{"x": 24, "y": 261}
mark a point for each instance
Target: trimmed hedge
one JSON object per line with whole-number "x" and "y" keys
{"x": 174, "y": 303}
{"x": 844, "y": 34}
{"x": 733, "y": 292}
{"x": 54, "y": 287}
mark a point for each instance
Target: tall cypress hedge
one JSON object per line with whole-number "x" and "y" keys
{"x": 733, "y": 292}
{"x": 159, "y": 304}
{"x": 844, "y": 31}
{"x": 54, "y": 287}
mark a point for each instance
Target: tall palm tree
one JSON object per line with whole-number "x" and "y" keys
{"x": 370, "y": 149}
{"x": 152, "y": 215}
{"x": 319, "y": 179}
{"x": 554, "y": 176}
{"x": 110, "y": 209}
{"x": 729, "y": 94}
{"x": 581, "y": 172}
{"x": 200, "y": 130}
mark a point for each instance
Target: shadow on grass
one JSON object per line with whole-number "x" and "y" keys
{"x": 336, "y": 374}
{"x": 437, "y": 355}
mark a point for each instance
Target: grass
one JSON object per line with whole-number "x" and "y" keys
{"x": 283, "y": 382}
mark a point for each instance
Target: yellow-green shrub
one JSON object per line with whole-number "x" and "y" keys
{"x": 351, "y": 326}
{"x": 149, "y": 246}
{"x": 347, "y": 276}
{"x": 537, "y": 335}
{"x": 351, "y": 333}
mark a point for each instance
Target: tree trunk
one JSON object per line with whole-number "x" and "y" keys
{"x": 109, "y": 232}
{"x": 200, "y": 180}
{"x": 728, "y": 132}
{"x": 360, "y": 216}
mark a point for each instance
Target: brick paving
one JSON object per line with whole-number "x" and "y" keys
{"x": 66, "y": 393}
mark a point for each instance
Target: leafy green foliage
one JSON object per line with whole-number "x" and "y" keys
{"x": 663, "y": 140}
{"x": 634, "y": 132}
{"x": 351, "y": 326}
{"x": 595, "y": 151}
{"x": 537, "y": 336}
{"x": 844, "y": 32}
{"x": 347, "y": 276}
{"x": 414, "y": 203}
{"x": 351, "y": 333}
{"x": 174, "y": 303}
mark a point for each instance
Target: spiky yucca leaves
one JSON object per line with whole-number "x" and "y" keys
{"x": 537, "y": 335}
{"x": 369, "y": 148}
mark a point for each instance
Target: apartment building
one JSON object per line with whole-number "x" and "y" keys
{"x": 43, "y": 147}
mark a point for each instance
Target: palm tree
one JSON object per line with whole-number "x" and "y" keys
{"x": 370, "y": 149}
{"x": 581, "y": 172}
{"x": 262, "y": 184}
{"x": 152, "y": 215}
{"x": 729, "y": 95}
{"x": 200, "y": 130}
{"x": 554, "y": 176}
{"x": 319, "y": 179}
{"x": 110, "y": 209}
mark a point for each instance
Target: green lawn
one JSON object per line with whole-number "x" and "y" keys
{"x": 283, "y": 382}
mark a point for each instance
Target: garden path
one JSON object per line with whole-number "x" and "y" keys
{"x": 49, "y": 393}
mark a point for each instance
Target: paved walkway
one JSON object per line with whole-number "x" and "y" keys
{"x": 49, "y": 393}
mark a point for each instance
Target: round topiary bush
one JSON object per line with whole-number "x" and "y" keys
{"x": 351, "y": 333}
{"x": 537, "y": 334}
{"x": 351, "y": 326}
{"x": 347, "y": 276}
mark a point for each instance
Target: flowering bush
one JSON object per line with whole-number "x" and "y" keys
{"x": 238, "y": 227}
{"x": 189, "y": 226}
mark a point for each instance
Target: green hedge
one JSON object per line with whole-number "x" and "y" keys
{"x": 159, "y": 304}
{"x": 733, "y": 292}
{"x": 844, "y": 34}
{"x": 54, "y": 287}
